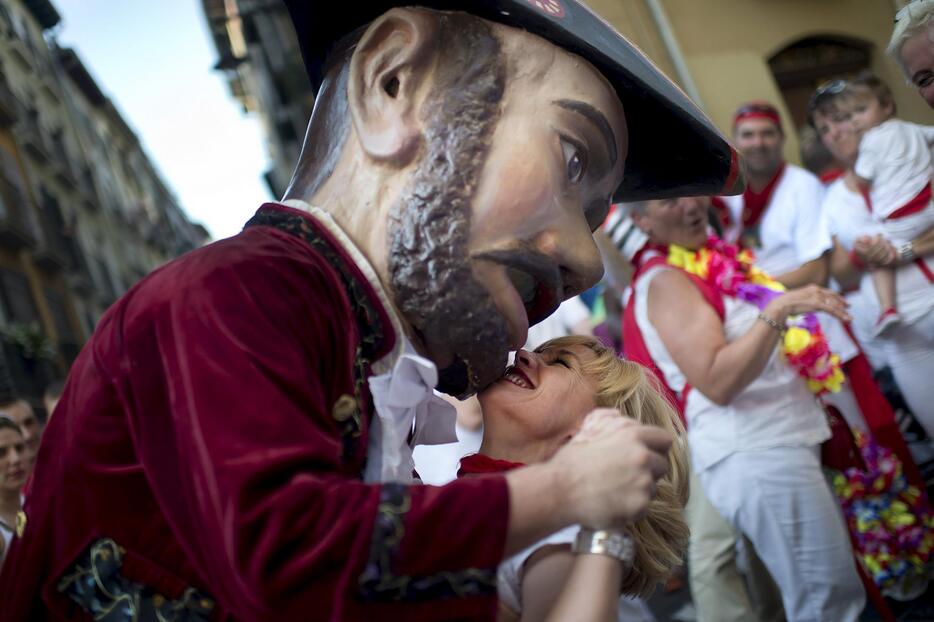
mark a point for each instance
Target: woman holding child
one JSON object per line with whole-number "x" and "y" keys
{"x": 861, "y": 244}
{"x": 745, "y": 360}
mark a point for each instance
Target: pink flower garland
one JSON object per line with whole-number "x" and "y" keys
{"x": 731, "y": 271}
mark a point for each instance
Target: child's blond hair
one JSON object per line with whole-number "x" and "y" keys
{"x": 867, "y": 85}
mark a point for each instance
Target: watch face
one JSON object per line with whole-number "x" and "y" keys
{"x": 906, "y": 252}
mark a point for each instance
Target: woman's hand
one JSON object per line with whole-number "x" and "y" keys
{"x": 876, "y": 251}
{"x": 806, "y": 300}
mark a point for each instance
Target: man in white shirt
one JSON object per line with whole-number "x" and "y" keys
{"x": 779, "y": 218}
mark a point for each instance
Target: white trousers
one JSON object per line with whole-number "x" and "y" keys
{"x": 910, "y": 353}
{"x": 780, "y": 500}
{"x": 719, "y": 590}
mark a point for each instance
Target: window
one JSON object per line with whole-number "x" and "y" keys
{"x": 16, "y": 298}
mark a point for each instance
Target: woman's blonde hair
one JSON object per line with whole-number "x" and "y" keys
{"x": 661, "y": 537}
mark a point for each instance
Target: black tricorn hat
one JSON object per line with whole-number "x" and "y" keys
{"x": 674, "y": 149}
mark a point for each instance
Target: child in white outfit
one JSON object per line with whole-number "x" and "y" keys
{"x": 895, "y": 166}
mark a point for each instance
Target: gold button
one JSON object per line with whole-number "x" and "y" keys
{"x": 344, "y": 408}
{"x": 158, "y": 600}
{"x": 207, "y": 604}
{"x": 20, "y": 523}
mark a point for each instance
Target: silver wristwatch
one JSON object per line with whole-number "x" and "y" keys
{"x": 603, "y": 542}
{"x": 906, "y": 252}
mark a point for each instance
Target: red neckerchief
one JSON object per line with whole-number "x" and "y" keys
{"x": 648, "y": 249}
{"x": 832, "y": 176}
{"x": 723, "y": 212}
{"x": 479, "y": 464}
{"x": 754, "y": 203}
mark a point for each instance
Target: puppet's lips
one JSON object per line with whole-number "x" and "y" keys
{"x": 529, "y": 284}
{"x": 535, "y": 278}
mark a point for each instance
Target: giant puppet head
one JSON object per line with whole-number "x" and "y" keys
{"x": 470, "y": 152}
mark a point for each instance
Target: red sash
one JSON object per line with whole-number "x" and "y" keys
{"x": 634, "y": 346}
{"x": 913, "y": 206}
{"x": 916, "y": 204}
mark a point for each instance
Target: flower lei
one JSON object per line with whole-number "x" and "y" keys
{"x": 892, "y": 524}
{"x": 730, "y": 271}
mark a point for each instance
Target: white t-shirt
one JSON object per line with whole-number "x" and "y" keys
{"x": 776, "y": 409}
{"x": 790, "y": 230}
{"x": 896, "y": 157}
{"x": 792, "y": 233}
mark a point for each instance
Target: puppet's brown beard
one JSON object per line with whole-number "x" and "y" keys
{"x": 429, "y": 227}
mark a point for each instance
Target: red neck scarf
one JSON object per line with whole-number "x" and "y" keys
{"x": 754, "y": 203}
{"x": 479, "y": 464}
{"x": 831, "y": 176}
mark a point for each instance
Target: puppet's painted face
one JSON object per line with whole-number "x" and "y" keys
{"x": 524, "y": 145}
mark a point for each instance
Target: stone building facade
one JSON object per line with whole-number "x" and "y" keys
{"x": 83, "y": 212}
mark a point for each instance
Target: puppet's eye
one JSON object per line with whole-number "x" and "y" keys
{"x": 575, "y": 158}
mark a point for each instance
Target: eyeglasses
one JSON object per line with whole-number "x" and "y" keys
{"x": 826, "y": 91}
{"x": 832, "y": 87}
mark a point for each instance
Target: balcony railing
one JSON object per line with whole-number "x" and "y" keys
{"x": 33, "y": 138}
{"x": 53, "y": 252}
{"x": 17, "y": 224}
{"x": 89, "y": 197}
{"x": 21, "y": 52}
{"x": 9, "y": 106}
{"x": 62, "y": 163}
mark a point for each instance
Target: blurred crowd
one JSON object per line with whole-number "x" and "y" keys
{"x": 812, "y": 294}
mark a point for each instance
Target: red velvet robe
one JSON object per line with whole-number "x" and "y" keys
{"x": 203, "y": 430}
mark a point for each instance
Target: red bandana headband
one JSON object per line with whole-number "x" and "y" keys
{"x": 757, "y": 110}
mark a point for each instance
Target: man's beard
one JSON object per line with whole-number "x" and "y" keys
{"x": 762, "y": 163}
{"x": 429, "y": 227}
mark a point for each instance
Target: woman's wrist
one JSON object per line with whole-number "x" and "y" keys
{"x": 906, "y": 253}
{"x": 608, "y": 542}
{"x": 774, "y": 315}
{"x": 778, "y": 327}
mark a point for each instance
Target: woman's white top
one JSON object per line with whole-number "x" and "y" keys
{"x": 509, "y": 579}
{"x": 776, "y": 409}
{"x": 509, "y": 575}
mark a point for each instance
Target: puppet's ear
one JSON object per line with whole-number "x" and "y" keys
{"x": 390, "y": 63}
